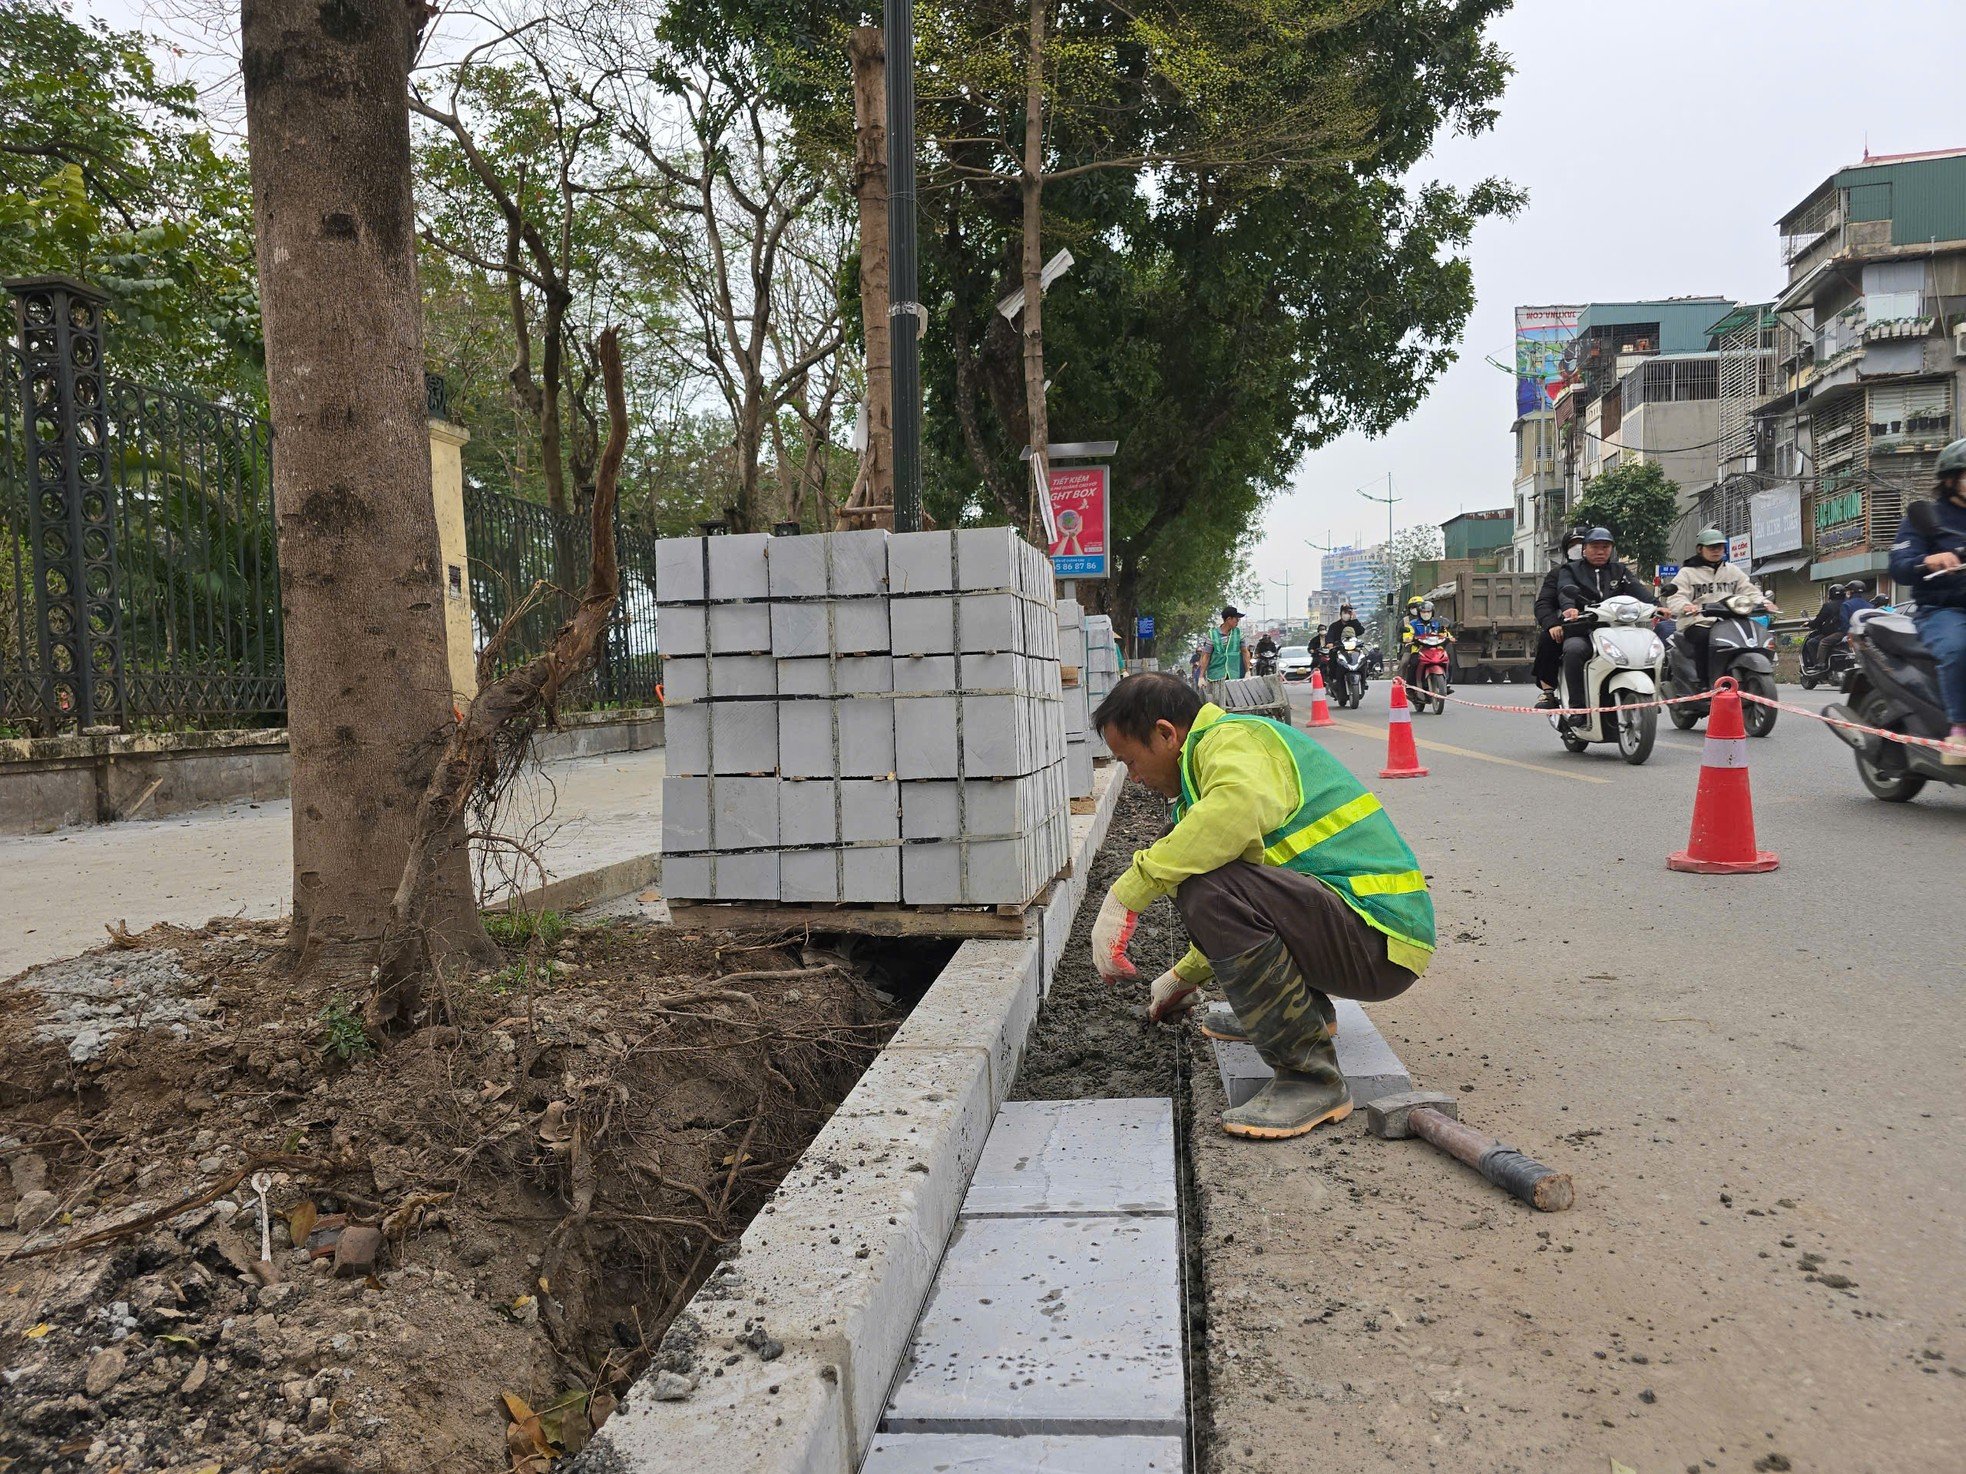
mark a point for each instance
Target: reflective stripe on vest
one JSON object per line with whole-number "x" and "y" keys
{"x": 1402, "y": 884}
{"x": 1319, "y": 830}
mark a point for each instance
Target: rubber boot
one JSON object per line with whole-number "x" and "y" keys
{"x": 1222, "y": 1024}
{"x": 1285, "y": 1018}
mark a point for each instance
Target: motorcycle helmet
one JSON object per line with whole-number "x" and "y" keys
{"x": 1855, "y": 589}
{"x": 1834, "y": 591}
{"x": 1952, "y": 458}
{"x": 1426, "y": 608}
{"x": 1600, "y": 535}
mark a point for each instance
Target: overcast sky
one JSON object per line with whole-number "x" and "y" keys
{"x": 1659, "y": 141}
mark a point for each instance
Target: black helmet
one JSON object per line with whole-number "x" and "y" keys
{"x": 1835, "y": 591}
{"x": 1599, "y": 535}
{"x": 1855, "y": 589}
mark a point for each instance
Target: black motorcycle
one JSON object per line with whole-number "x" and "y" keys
{"x": 1894, "y": 685}
{"x": 1736, "y": 647}
{"x": 1833, "y": 658}
{"x": 1349, "y": 671}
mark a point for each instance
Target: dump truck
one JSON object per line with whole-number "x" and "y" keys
{"x": 1492, "y": 615}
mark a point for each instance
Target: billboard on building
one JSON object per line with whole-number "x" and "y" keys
{"x": 1541, "y": 335}
{"x": 1775, "y": 520}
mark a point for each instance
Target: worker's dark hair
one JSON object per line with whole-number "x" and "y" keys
{"x": 1139, "y": 701}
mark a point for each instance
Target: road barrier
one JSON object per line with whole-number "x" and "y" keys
{"x": 1320, "y": 708}
{"x": 1722, "y": 838}
{"x": 1937, "y": 743}
{"x": 1402, "y": 758}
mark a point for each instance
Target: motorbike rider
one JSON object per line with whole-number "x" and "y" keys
{"x": 1266, "y": 654}
{"x": 1347, "y": 623}
{"x": 1706, "y": 577}
{"x": 1855, "y": 599}
{"x": 1823, "y": 627}
{"x": 1549, "y": 648}
{"x": 1593, "y": 576}
{"x": 1420, "y": 621}
{"x": 1931, "y": 540}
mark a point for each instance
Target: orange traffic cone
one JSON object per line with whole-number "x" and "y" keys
{"x": 1722, "y": 841}
{"x": 1320, "y": 708}
{"x": 1402, "y": 760}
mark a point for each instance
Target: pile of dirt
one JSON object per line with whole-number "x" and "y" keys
{"x": 1092, "y": 1038}
{"x": 473, "y": 1238}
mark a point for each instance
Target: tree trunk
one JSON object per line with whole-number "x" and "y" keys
{"x": 1032, "y": 184}
{"x": 869, "y": 57}
{"x": 368, "y": 678}
{"x": 552, "y": 375}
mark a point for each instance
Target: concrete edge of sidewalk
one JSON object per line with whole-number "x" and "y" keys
{"x": 814, "y": 1310}
{"x": 587, "y": 887}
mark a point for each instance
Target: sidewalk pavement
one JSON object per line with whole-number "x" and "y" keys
{"x": 62, "y": 889}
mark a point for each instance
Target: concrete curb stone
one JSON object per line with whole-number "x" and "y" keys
{"x": 831, "y": 1277}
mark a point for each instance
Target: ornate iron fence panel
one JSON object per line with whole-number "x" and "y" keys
{"x": 200, "y": 579}
{"x": 528, "y": 564}
{"x": 21, "y": 694}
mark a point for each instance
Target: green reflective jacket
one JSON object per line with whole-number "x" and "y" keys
{"x": 1340, "y": 836}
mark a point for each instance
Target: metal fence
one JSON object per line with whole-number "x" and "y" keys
{"x": 528, "y": 565}
{"x": 139, "y": 582}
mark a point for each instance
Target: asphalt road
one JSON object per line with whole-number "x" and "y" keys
{"x": 1754, "y": 1079}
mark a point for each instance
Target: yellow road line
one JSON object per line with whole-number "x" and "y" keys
{"x": 1480, "y": 757}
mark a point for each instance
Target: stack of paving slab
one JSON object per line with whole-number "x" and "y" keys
{"x": 1101, "y": 671}
{"x": 1265, "y": 695}
{"x": 1079, "y": 735}
{"x": 1052, "y": 1336}
{"x": 861, "y": 717}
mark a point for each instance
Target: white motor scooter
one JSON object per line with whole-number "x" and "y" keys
{"x": 1626, "y": 663}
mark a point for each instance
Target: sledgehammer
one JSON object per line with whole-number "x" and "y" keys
{"x": 1434, "y": 1116}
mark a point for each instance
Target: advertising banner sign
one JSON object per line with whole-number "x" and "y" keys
{"x": 1143, "y": 626}
{"x": 1541, "y": 335}
{"x": 1738, "y": 548}
{"x": 1775, "y": 520}
{"x": 1084, "y": 517}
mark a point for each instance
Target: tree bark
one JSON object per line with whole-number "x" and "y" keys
{"x": 1032, "y": 188}
{"x": 411, "y": 950}
{"x": 367, "y": 673}
{"x": 868, "y": 52}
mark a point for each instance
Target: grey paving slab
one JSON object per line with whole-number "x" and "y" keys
{"x": 1053, "y": 1324}
{"x": 1076, "y": 1157}
{"x": 1035, "y": 1453}
{"x": 679, "y": 571}
{"x": 1371, "y": 1068}
{"x": 737, "y": 566}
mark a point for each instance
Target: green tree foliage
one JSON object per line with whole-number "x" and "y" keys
{"x": 1257, "y": 272}
{"x": 1639, "y": 503}
{"x": 108, "y": 174}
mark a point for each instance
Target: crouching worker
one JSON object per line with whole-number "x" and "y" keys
{"x": 1293, "y": 883}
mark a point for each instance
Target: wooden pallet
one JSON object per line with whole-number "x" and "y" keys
{"x": 867, "y": 919}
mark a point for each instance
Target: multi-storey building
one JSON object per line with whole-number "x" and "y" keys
{"x": 1870, "y": 352}
{"x": 1359, "y": 575}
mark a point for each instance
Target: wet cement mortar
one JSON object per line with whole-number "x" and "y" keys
{"x": 1092, "y": 1039}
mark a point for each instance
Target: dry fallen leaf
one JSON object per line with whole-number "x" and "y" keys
{"x": 35, "y": 1333}
{"x": 516, "y": 1407}
{"x": 1618, "y": 1468}
{"x": 301, "y": 1219}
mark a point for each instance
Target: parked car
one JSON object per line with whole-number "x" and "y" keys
{"x": 1294, "y": 663}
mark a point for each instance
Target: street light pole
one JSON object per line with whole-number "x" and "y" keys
{"x": 1389, "y": 499}
{"x": 904, "y": 314}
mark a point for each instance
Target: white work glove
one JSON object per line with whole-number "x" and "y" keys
{"x": 1112, "y": 929}
{"x": 1170, "y": 996}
